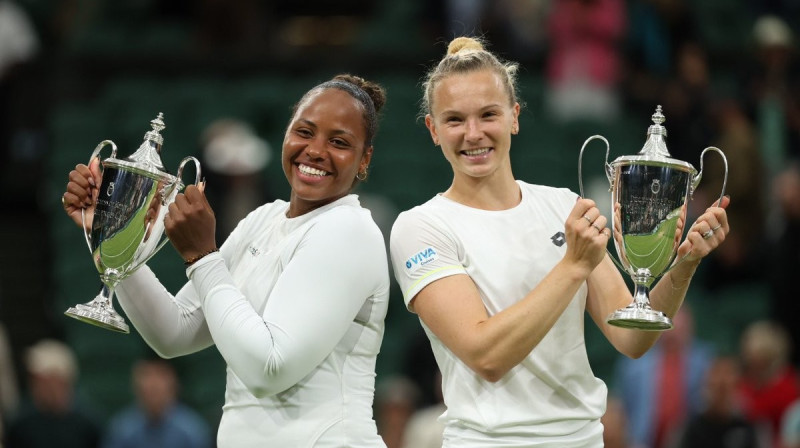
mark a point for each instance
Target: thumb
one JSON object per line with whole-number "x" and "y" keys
{"x": 724, "y": 202}
{"x": 94, "y": 168}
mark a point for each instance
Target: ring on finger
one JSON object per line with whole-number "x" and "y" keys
{"x": 599, "y": 230}
{"x": 63, "y": 201}
{"x": 588, "y": 219}
{"x": 716, "y": 228}
{"x": 708, "y": 234}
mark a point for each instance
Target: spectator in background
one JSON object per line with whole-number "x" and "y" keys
{"x": 721, "y": 423}
{"x": 686, "y": 98}
{"x": 9, "y": 394}
{"x": 584, "y": 62}
{"x": 235, "y": 158}
{"x": 784, "y": 256}
{"x": 772, "y": 90}
{"x": 53, "y": 418}
{"x": 769, "y": 384}
{"x": 663, "y": 388}
{"x": 790, "y": 426}
{"x": 157, "y": 419}
{"x": 740, "y": 260}
{"x": 615, "y": 425}
{"x": 424, "y": 428}
{"x": 396, "y": 399}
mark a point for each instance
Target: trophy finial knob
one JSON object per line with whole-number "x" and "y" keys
{"x": 158, "y": 122}
{"x": 658, "y": 117}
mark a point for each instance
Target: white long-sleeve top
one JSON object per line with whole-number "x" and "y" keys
{"x": 296, "y": 307}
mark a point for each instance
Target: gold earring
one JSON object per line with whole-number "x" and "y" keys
{"x": 362, "y": 175}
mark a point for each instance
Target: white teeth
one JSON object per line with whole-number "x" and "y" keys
{"x": 311, "y": 171}
{"x": 476, "y": 152}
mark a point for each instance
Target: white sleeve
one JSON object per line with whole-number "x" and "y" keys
{"x": 338, "y": 265}
{"x": 421, "y": 253}
{"x": 171, "y": 325}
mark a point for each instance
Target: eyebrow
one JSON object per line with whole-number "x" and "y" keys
{"x": 314, "y": 125}
{"x": 482, "y": 109}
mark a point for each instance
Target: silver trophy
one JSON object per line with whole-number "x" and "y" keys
{"x": 128, "y": 224}
{"x": 649, "y": 193}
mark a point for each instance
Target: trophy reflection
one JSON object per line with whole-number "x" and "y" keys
{"x": 127, "y": 227}
{"x": 649, "y": 194}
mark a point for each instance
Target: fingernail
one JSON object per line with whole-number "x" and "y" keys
{"x": 91, "y": 182}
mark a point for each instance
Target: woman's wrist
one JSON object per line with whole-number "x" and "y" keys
{"x": 192, "y": 260}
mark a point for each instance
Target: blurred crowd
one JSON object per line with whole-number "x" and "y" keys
{"x": 599, "y": 61}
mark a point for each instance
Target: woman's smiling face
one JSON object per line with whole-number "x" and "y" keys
{"x": 472, "y": 118}
{"x": 324, "y": 149}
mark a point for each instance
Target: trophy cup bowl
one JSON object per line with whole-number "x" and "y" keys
{"x": 649, "y": 196}
{"x": 127, "y": 228}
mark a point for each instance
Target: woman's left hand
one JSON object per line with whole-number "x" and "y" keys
{"x": 707, "y": 232}
{"x": 190, "y": 223}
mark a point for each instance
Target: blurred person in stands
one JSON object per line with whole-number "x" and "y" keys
{"x": 784, "y": 256}
{"x": 741, "y": 259}
{"x": 772, "y": 89}
{"x": 234, "y": 159}
{"x": 501, "y": 272}
{"x": 425, "y": 428}
{"x": 295, "y": 299}
{"x": 721, "y": 423}
{"x": 584, "y": 59}
{"x": 769, "y": 383}
{"x": 396, "y": 399}
{"x": 53, "y": 418}
{"x": 663, "y": 388}
{"x": 158, "y": 418}
{"x": 615, "y": 425}
{"x": 9, "y": 392}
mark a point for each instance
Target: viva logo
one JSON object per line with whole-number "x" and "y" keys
{"x": 421, "y": 259}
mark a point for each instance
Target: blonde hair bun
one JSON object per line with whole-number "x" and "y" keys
{"x": 464, "y": 44}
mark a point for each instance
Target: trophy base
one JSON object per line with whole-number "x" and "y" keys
{"x": 108, "y": 319}
{"x": 640, "y": 319}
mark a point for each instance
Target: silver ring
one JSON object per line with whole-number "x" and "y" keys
{"x": 708, "y": 234}
{"x": 599, "y": 230}
{"x": 588, "y": 219}
{"x": 716, "y": 228}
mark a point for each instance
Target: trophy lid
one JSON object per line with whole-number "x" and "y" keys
{"x": 654, "y": 151}
{"x": 148, "y": 156}
{"x": 656, "y": 144}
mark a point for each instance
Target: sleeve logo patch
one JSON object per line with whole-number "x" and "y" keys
{"x": 422, "y": 258}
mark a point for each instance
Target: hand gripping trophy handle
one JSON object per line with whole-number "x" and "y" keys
{"x": 127, "y": 227}
{"x": 649, "y": 193}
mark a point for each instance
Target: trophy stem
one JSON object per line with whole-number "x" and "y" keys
{"x": 639, "y": 315}
{"x": 100, "y": 312}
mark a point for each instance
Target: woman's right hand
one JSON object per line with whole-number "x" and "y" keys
{"x": 586, "y": 234}
{"x": 82, "y": 192}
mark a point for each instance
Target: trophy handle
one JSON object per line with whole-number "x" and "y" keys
{"x": 167, "y": 191}
{"x": 609, "y": 170}
{"x": 198, "y": 173}
{"x": 699, "y": 176}
{"x": 87, "y": 235}
{"x": 696, "y": 181}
